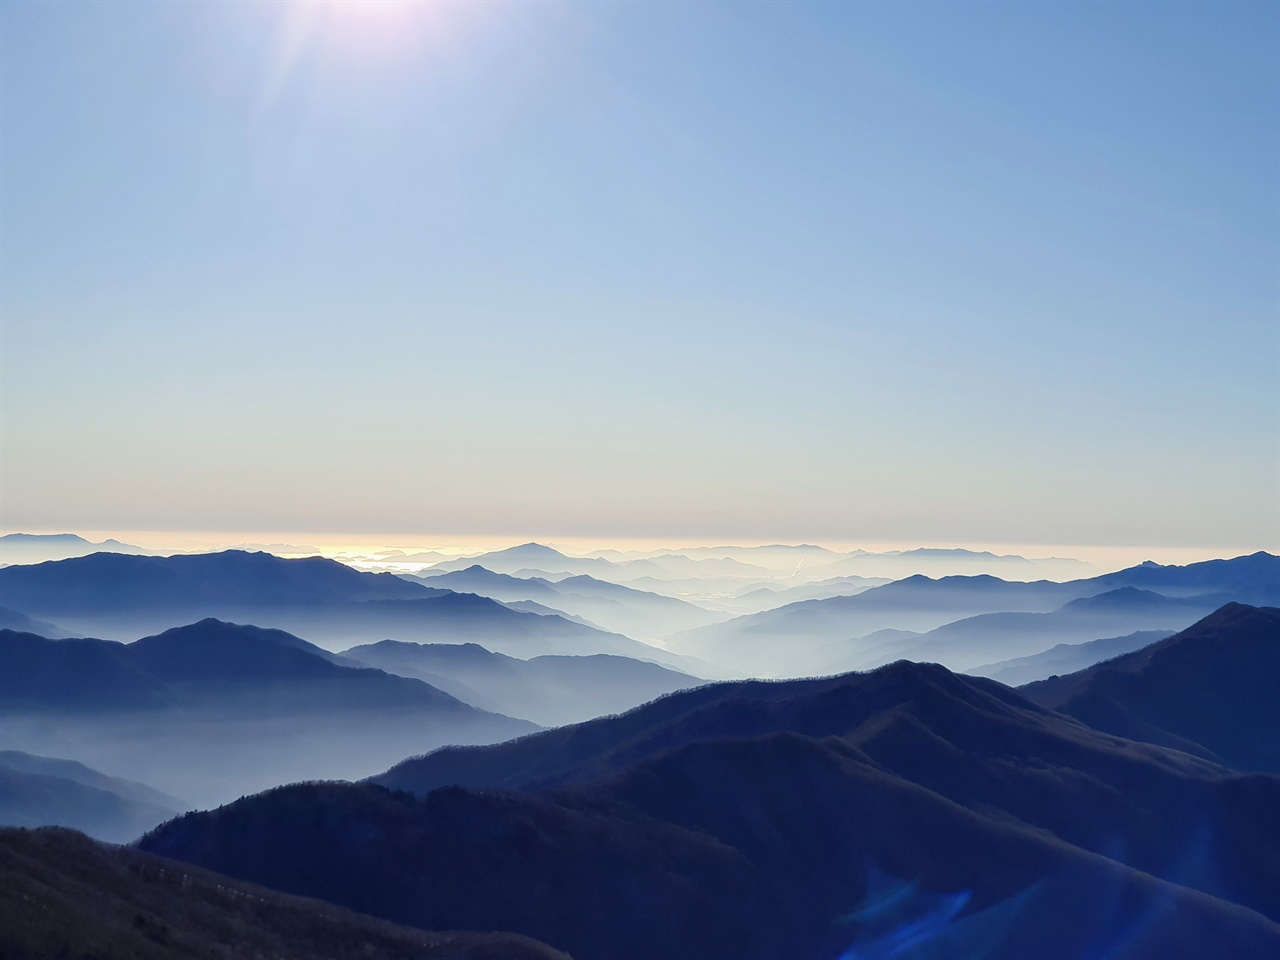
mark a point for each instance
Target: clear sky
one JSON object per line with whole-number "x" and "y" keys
{"x": 913, "y": 272}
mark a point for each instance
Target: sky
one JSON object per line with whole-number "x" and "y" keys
{"x": 920, "y": 273}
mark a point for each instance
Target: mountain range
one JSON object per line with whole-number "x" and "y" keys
{"x": 547, "y": 690}
{"x": 1065, "y": 658}
{"x": 824, "y": 635}
{"x": 965, "y": 644}
{"x": 611, "y": 606}
{"x": 122, "y": 597}
{"x": 39, "y": 547}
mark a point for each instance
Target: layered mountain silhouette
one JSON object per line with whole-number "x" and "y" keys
{"x": 1066, "y": 658}
{"x": 66, "y": 896}
{"x": 635, "y": 613}
{"x": 212, "y": 710}
{"x": 547, "y": 690}
{"x": 761, "y": 598}
{"x": 803, "y": 637}
{"x": 968, "y": 643}
{"x": 13, "y": 620}
{"x": 816, "y": 818}
{"x": 1210, "y": 690}
{"x": 42, "y": 791}
{"x": 123, "y": 597}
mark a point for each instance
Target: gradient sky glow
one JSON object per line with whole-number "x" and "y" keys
{"x": 830, "y": 272}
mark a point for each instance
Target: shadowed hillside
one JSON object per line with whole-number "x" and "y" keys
{"x": 1211, "y": 689}
{"x": 752, "y": 821}
{"x": 65, "y": 896}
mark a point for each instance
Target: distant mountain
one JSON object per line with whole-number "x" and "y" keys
{"x": 635, "y": 613}
{"x": 908, "y": 812}
{"x": 526, "y": 555}
{"x": 954, "y": 562}
{"x": 797, "y": 638}
{"x": 1066, "y": 658}
{"x": 462, "y": 618}
{"x": 1252, "y": 579}
{"x": 547, "y": 690}
{"x": 968, "y": 643}
{"x": 536, "y": 557}
{"x": 778, "y": 556}
{"x": 13, "y": 620}
{"x": 39, "y": 547}
{"x": 1210, "y": 689}
{"x": 212, "y": 710}
{"x": 532, "y": 606}
{"x": 129, "y": 594}
{"x": 668, "y": 566}
{"x": 41, "y": 791}
{"x": 66, "y": 896}
{"x": 771, "y": 597}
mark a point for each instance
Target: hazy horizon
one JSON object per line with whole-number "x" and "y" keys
{"x": 1102, "y": 557}
{"x": 835, "y": 272}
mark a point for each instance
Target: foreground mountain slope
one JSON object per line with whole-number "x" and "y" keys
{"x": 64, "y": 895}
{"x": 749, "y": 848}
{"x": 971, "y": 740}
{"x": 549, "y": 690}
{"x": 212, "y": 710}
{"x": 748, "y": 819}
{"x": 1211, "y": 689}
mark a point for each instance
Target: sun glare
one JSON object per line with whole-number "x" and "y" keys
{"x": 378, "y": 26}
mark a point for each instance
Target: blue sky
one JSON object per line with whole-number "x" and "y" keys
{"x": 922, "y": 272}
